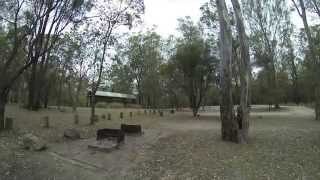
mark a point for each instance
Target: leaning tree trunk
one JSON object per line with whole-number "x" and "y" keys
{"x": 315, "y": 59}
{"x": 229, "y": 126}
{"x": 243, "y": 112}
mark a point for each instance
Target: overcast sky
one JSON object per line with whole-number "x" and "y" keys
{"x": 164, "y": 14}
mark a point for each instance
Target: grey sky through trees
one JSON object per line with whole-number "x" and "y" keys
{"x": 164, "y": 14}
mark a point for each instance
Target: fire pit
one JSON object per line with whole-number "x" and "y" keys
{"x": 111, "y": 134}
{"x": 131, "y": 129}
{"x": 104, "y": 145}
{"x": 108, "y": 140}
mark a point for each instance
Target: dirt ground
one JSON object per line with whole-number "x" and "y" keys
{"x": 284, "y": 144}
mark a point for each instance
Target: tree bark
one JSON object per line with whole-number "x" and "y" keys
{"x": 93, "y": 107}
{"x": 41, "y": 81}
{"x": 294, "y": 75}
{"x": 2, "y": 111}
{"x": 229, "y": 127}
{"x": 317, "y": 103}
{"x": 59, "y": 95}
{"x": 243, "y": 112}
{"x": 77, "y": 97}
{"x": 4, "y": 92}
{"x": 32, "y": 87}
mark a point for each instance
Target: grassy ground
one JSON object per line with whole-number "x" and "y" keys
{"x": 283, "y": 144}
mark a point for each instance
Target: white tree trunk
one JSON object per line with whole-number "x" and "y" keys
{"x": 229, "y": 127}
{"x": 243, "y": 114}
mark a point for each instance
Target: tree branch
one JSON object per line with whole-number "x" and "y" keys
{"x": 296, "y": 6}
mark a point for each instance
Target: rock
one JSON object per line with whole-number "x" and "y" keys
{"x": 32, "y": 142}
{"x": 72, "y": 134}
{"x": 76, "y": 119}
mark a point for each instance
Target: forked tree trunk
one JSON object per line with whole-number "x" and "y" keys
{"x": 243, "y": 112}
{"x": 229, "y": 126}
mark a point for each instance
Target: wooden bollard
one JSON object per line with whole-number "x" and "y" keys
{"x": 103, "y": 116}
{"x": 109, "y": 116}
{"x": 8, "y": 123}
{"x": 121, "y": 115}
{"x": 130, "y": 115}
{"x": 45, "y": 122}
{"x": 96, "y": 118}
{"x": 76, "y": 119}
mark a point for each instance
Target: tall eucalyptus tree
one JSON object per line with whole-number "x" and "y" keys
{"x": 244, "y": 71}
{"x": 314, "y": 64}
{"x": 269, "y": 23}
{"x": 112, "y": 14}
{"x": 229, "y": 125}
